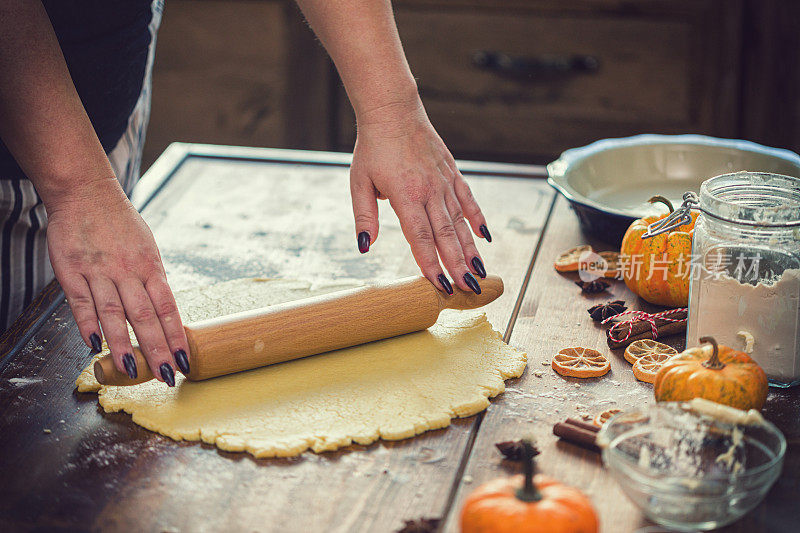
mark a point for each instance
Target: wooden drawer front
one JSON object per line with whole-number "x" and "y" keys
{"x": 650, "y": 77}
{"x": 219, "y": 75}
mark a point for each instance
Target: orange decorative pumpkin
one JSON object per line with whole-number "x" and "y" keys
{"x": 716, "y": 373}
{"x": 657, "y": 269}
{"x": 527, "y": 504}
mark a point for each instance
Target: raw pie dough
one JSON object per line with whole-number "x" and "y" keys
{"x": 392, "y": 389}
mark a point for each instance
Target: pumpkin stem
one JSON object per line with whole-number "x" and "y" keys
{"x": 529, "y": 492}
{"x": 713, "y": 362}
{"x": 661, "y": 199}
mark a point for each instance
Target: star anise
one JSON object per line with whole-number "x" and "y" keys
{"x": 421, "y": 525}
{"x": 600, "y": 312}
{"x": 591, "y": 287}
{"x": 514, "y": 450}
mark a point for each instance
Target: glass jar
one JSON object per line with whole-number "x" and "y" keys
{"x": 745, "y": 277}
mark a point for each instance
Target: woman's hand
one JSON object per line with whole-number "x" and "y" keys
{"x": 108, "y": 264}
{"x": 399, "y": 156}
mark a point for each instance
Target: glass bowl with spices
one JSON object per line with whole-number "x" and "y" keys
{"x": 692, "y": 466}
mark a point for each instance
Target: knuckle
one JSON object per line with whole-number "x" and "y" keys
{"x": 153, "y": 264}
{"x": 111, "y": 308}
{"x": 359, "y": 185}
{"x": 149, "y": 268}
{"x": 364, "y": 220}
{"x": 166, "y": 309}
{"x": 472, "y": 210}
{"x": 466, "y": 191}
{"x": 423, "y": 235}
{"x": 86, "y": 324}
{"x": 417, "y": 192}
{"x": 143, "y": 313}
{"x": 458, "y": 217}
{"x": 431, "y": 266}
{"x": 118, "y": 342}
{"x": 446, "y": 231}
{"x": 80, "y": 303}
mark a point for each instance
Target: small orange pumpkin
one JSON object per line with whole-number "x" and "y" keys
{"x": 717, "y": 373}
{"x": 527, "y": 504}
{"x": 657, "y": 269}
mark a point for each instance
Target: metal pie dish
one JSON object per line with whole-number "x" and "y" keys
{"x": 608, "y": 182}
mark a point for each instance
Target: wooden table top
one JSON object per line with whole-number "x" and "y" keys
{"x": 220, "y": 213}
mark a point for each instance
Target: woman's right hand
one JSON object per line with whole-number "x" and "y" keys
{"x": 107, "y": 262}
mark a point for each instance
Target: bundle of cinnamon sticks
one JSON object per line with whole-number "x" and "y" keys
{"x": 578, "y": 432}
{"x": 622, "y": 334}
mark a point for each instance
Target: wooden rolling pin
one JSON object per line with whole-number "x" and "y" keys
{"x": 292, "y": 330}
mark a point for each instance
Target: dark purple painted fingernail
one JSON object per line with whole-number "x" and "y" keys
{"x": 182, "y": 360}
{"x": 472, "y": 282}
{"x": 477, "y": 264}
{"x": 363, "y": 242}
{"x": 97, "y": 345}
{"x": 168, "y": 374}
{"x": 485, "y": 232}
{"x": 130, "y": 365}
{"x": 445, "y": 283}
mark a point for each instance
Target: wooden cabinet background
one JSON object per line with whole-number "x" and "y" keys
{"x": 251, "y": 73}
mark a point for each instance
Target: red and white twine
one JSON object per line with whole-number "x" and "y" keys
{"x": 646, "y": 317}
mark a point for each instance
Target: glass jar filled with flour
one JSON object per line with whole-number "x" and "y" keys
{"x": 745, "y": 277}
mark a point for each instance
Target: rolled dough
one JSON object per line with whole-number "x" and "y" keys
{"x": 392, "y": 389}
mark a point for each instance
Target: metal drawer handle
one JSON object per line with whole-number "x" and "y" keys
{"x": 534, "y": 68}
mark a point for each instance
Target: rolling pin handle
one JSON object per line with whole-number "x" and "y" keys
{"x": 491, "y": 289}
{"x": 106, "y": 372}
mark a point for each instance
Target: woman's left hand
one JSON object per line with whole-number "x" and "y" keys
{"x": 399, "y": 156}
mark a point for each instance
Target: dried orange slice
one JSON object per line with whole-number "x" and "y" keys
{"x": 580, "y": 363}
{"x": 569, "y": 261}
{"x": 606, "y": 264}
{"x": 637, "y": 349}
{"x": 613, "y": 262}
{"x": 647, "y": 366}
{"x": 601, "y": 418}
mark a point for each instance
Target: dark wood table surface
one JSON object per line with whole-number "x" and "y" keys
{"x": 220, "y": 213}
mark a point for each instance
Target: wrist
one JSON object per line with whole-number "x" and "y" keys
{"x": 61, "y": 194}
{"x": 394, "y": 108}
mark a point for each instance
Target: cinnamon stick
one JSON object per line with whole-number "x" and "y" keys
{"x": 583, "y": 425}
{"x": 576, "y": 435}
{"x": 623, "y": 333}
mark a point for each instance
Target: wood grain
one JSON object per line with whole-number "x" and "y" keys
{"x": 218, "y": 219}
{"x": 31, "y": 318}
{"x": 554, "y": 316}
{"x": 657, "y": 73}
{"x": 219, "y": 75}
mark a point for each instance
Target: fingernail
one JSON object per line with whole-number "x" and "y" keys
{"x": 168, "y": 374}
{"x": 97, "y": 345}
{"x": 130, "y": 365}
{"x": 445, "y": 283}
{"x": 472, "y": 282}
{"x": 182, "y": 360}
{"x": 363, "y": 242}
{"x": 478, "y": 266}
{"x": 485, "y": 232}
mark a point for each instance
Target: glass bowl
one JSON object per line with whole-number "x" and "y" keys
{"x": 688, "y": 470}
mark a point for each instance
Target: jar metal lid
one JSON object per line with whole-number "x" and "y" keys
{"x": 691, "y": 201}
